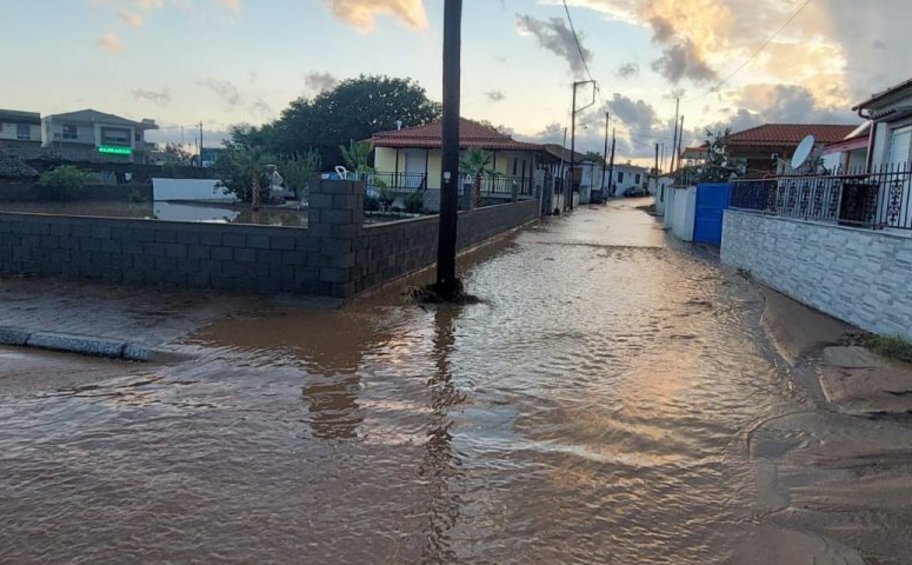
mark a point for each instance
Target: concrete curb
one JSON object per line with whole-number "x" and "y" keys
{"x": 80, "y": 344}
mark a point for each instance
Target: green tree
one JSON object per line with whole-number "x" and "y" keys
{"x": 240, "y": 171}
{"x": 476, "y": 163}
{"x": 299, "y": 170}
{"x": 354, "y": 110}
{"x": 718, "y": 166}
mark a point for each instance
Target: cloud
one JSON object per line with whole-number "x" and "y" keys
{"x": 225, "y": 89}
{"x": 495, "y": 95}
{"x": 110, "y": 43}
{"x": 149, "y": 4}
{"x": 320, "y": 81}
{"x": 231, "y": 4}
{"x": 791, "y": 104}
{"x": 158, "y": 97}
{"x": 132, "y": 19}
{"x": 683, "y": 60}
{"x": 554, "y": 35}
{"x": 628, "y": 70}
{"x": 362, "y": 14}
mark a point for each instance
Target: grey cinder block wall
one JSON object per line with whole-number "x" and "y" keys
{"x": 863, "y": 277}
{"x": 336, "y": 255}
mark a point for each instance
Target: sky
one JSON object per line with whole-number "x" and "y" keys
{"x": 735, "y": 63}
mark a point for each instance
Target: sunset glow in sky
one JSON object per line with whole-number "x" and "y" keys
{"x": 238, "y": 61}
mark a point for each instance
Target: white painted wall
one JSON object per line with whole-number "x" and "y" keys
{"x": 188, "y": 189}
{"x": 859, "y": 276}
{"x": 680, "y": 211}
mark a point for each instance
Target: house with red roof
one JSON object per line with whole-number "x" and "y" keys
{"x": 409, "y": 159}
{"x": 759, "y": 150}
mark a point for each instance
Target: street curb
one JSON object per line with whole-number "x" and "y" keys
{"x": 79, "y": 344}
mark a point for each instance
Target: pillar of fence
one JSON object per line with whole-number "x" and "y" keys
{"x": 335, "y": 223}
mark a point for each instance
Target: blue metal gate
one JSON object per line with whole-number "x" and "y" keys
{"x": 712, "y": 199}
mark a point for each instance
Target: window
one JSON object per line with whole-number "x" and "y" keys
{"x": 636, "y": 179}
{"x": 115, "y": 136}
{"x": 23, "y": 132}
{"x": 70, "y": 131}
{"x": 515, "y": 165}
{"x": 620, "y": 176}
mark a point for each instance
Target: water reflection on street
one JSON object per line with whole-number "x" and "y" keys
{"x": 594, "y": 408}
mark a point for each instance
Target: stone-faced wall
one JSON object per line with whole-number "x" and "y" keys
{"x": 335, "y": 256}
{"x": 863, "y": 277}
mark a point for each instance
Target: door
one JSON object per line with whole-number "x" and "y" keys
{"x": 415, "y": 167}
{"x": 712, "y": 200}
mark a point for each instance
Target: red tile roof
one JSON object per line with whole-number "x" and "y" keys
{"x": 790, "y": 134}
{"x": 471, "y": 134}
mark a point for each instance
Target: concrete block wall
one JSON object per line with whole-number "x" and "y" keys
{"x": 336, "y": 255}
{"x": 863, "y": 277}
{"x": 384, "y": 252}
{"x": 199, "y": 255}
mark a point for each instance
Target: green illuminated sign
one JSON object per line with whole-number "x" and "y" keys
{"x": 115, "y": 150}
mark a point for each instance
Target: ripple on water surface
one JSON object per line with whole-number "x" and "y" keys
{"x": 591, "y": 409}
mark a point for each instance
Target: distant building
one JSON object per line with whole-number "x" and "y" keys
{"x": 90, "y": 135}
{"x": 20, "y": 132}
{"x": 626, "y": 177}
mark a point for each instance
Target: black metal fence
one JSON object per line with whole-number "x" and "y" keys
{"x": 876, "y": 200}
{"x": 504, "y": 186}
{"x": 399, "y": 182}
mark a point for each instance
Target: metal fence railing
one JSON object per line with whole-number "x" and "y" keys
{"x": 504, "y": 186}
{"x": 879, "y": 199}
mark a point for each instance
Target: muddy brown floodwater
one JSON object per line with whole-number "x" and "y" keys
{"x": 603, "y": 405}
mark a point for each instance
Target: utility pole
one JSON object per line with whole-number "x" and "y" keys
{"x": 201, "y": 145}
{"x": 568, "y": 204}
{"x": 446, "y": 242}
{"x": 655, "y": 171}
{"x": 674, "y": 137}
{"x": 605, "y": 160}
{"x": 680, "y": 140}
{"x": 611, "y": 163}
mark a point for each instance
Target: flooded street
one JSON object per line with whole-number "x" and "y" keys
{"x": 602, "y": 405}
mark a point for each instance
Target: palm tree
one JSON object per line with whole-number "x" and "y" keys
{"x": 476, "y": 163}
{"x": 356, "y": 156}
{"x": 252, "y": 164}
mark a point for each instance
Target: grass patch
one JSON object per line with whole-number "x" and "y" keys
{"x": 896, "y": 348}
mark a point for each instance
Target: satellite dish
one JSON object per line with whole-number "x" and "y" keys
{"x": 803, "y": 152}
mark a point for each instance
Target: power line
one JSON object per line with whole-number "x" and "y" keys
{"x": 753, "y": 55}
{"x": 579, "y": 46}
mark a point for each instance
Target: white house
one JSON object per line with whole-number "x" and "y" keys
{"x": 625, "y": 177}
{"x": 890, "y": 133}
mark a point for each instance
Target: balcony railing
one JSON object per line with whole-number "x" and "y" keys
{"x": 499, "y": 186}
{"x": 876, "y": 200}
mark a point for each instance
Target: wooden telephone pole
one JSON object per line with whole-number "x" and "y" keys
{"x": 449, "y": 195}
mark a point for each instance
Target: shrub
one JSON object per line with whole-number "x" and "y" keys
{"x": 63, "y": 180}
{"x": 414, "y": 203}
{"x": 371, "y": 203}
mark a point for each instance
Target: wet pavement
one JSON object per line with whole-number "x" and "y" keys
{"x": 614, "y": 399}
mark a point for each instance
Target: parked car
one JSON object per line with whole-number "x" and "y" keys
{"x": 635, "y": 191}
